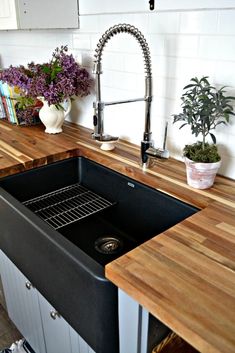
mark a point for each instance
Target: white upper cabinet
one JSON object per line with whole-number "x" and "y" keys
{"x": 34, "y": 14}
{"x": 107, "y": 6}
{"x": 48, "y": 14}
{"x": 8, "y": 18}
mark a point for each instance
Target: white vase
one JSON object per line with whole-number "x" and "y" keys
{"x": 201, "y": 175}
{"x": 53, "y": 117}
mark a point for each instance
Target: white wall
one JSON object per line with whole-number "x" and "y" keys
{"x": 183, "y": 44}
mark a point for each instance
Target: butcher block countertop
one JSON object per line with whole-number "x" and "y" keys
{"x": 184, "y": 276}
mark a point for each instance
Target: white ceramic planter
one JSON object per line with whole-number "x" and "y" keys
{"x": 201, "y": 175}
{"x": 52, "y": 117}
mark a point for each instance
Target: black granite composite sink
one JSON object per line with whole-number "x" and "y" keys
{"x": 61, "y": 254}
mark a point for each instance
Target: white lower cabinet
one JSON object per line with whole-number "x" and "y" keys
{"x": 22, "y": 304}
{"x": 41, "y": 325}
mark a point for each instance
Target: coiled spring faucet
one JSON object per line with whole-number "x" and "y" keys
{"x": 147, "y": 149}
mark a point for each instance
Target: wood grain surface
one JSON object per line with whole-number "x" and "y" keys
{"x": 184, "y": 276}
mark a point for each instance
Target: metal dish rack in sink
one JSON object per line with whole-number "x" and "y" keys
{"x": 67, "y": 205}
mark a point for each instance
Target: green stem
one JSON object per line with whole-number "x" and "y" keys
{"x": 203, "y": 136}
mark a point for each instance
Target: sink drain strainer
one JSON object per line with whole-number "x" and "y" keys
{"x": 108, "y": 245}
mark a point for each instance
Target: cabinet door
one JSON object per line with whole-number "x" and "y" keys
{"x": 47, "y": 14}
{"x": 35, "y": 318}
{"x": 22, "y": 303}
{"x": 60, "y": 337}
{"x": 56, "y": 329}
{"x": 78, "y": 345}
{"x": 8, "y": 18}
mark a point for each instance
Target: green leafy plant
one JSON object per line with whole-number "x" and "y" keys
{"x": 204, "y": 108}
{"x": 23, "y": 102}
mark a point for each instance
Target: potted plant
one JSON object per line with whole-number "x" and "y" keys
{"x": 53, "y": 83}
{"x": 204, "y": 108}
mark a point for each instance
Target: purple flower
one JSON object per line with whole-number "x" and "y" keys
{"x": 56, "y": 81}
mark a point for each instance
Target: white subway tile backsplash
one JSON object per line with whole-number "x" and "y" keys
{"x": 156, "y": 44}
{"x": 140, "y": 21}
{"x": 82, "y": 41}
{"x": 199, "y": 22}
{"x": 125, "y": 121}
{"x": 124, "y": 42}
{"x": 133, "y": 63}
{"x": 163, "y": 107}
{"x": 89, "y": 24}
{"x": 94, "y": 38}
{"x": 183, "y": 44}
{"x": 224, "y": 74}
{"x": 226, "y": 145}
{"x": 122, "y": 80}
{"x": 9, "y": 60}
{"x": 161, "y": 65}
{"x": 107, "y": 21}
{"x": 226, "y": 22}
{"x": 165, "y": 87}
{"x": 227, "y": 133}
{"x": 114, "y": 61}
{"x": 217, "y": 47}
{"x": 228, "y": 167}
{"x": 26, "y": 55}
{"x": 36, "y": 44}
{"x": 166, "y": 22}
{"x": 200, "y": 68}
{"x": 199, "y": 4}
{"x": 185, "y": 69}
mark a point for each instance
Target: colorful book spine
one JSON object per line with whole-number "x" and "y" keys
{"x": 9, "y": 106}
{"x": 13, "y": 103}
{"x": 4, "y": 102}
{"x": 2, "y": 109}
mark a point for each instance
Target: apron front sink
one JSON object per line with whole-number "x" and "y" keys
{"x": 61, "y": 223}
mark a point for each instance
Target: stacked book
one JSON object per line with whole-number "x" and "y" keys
{"x": 9, "y": 109}
{"x": 7, "y": 103}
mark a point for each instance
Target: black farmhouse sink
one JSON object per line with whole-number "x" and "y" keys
{"x": 61, "y": 223}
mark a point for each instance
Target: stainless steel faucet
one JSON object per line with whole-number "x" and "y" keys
{"x": 147, "y": 149}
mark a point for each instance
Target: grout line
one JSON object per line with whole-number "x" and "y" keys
{"x": 230, "y": 8}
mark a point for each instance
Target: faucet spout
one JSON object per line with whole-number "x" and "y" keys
{"x": 99, "y": 105}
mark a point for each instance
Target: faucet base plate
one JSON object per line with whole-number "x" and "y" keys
{"x": 107, "y": 145}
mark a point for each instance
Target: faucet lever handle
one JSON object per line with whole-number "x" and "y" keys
{"x": 95, "y": 120}
{"x": 165, "y": 136}
{"x": 157, "y": 152}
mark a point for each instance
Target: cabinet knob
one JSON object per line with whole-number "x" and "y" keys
{"x": 28, "y": 285}
{"x": 54, "y": 314}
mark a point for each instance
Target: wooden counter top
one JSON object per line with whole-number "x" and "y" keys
{"x": 184, "y": 276}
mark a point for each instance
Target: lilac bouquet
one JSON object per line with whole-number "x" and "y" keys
{"x": 60, "y": 79}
